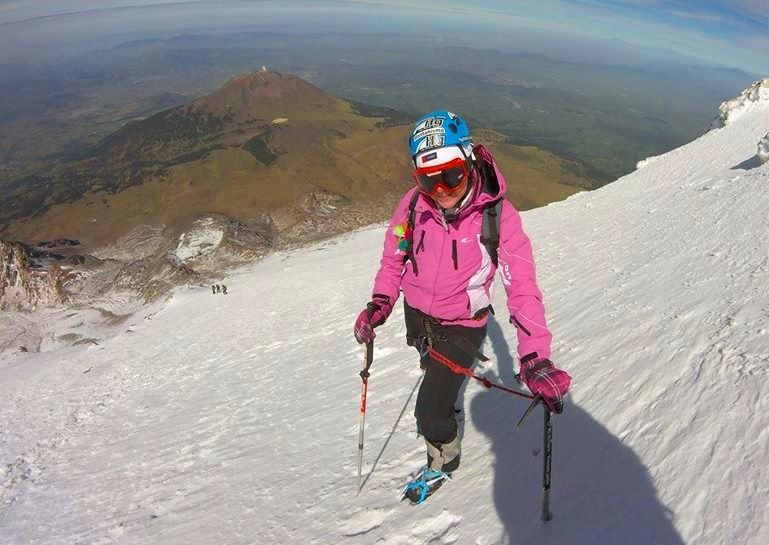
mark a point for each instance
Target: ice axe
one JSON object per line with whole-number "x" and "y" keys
{"x": 548, "y": 454}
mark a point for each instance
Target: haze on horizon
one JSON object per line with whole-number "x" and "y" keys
{"x": 731, "y": 34}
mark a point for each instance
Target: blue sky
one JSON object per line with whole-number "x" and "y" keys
{"x": 728, "y": 33}
{"x": 710, "y": 29}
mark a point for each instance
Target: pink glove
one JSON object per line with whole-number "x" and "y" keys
{"x": 545, "y": 379}
{"x": 374, "y": 315}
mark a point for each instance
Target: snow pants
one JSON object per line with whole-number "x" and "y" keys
{"x": 436, "y": 419}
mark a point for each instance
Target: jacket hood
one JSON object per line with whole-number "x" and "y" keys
{"x": 493, "y": 184}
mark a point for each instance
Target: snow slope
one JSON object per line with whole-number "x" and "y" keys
{"x": 234, "y": 419}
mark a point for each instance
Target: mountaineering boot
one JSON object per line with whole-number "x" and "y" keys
{"x": 424, "y": 485}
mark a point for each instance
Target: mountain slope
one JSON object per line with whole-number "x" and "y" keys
{"x": 233, "y": 419}
{"x": 254, "y": 151}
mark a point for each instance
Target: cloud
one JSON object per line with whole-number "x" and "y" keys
{"x": 758, "y": 7}
{"x": 699, "y": 16}
{"x": 756, "y": 46}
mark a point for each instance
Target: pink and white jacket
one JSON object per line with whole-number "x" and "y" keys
{"x": 454, "y": 275}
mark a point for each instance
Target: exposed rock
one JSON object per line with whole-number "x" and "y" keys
{"x": 58, "y": 243}
{"x": 732, "y": 109}
{"x": 23, "y": 286}
{"x": 763, "y": 149}
{"x": 140, "y": 242}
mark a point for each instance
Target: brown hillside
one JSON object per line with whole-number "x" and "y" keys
{"x": 253, "y": 150}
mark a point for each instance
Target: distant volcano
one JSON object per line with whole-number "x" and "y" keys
{"x": 256, "y": 145}
{"x": 266, "y": 148}
{"x": 266, "y": 162}
{"x": 264, "y": 94}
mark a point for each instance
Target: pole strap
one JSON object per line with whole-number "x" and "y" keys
{"x": 456, "y": 368}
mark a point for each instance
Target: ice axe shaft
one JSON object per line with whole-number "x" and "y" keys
{"x": 546, "y": 466}
{"x": 547, "y": 459}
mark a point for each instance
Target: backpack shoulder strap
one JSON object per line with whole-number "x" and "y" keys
{"x": 410, "y": 239}
{"x": 413, "y": 209}
{"x": 490, "y": 229}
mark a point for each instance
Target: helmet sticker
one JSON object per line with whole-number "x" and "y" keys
{"x": 439, "y": 128}
{"x": 429, "y": 157}
{"x": 429, "y": 125}
{"x": 429, "y": 132}
{"x": 431, "y": 141}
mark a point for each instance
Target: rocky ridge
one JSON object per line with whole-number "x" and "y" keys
{"x": 732, "y": 109}
{"x": 24, "y": 284}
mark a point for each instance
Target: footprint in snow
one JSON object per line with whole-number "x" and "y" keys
{"x": 434, "y": 529}
{"x": 364, "y": 521}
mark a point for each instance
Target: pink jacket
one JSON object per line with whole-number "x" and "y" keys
{"x": 455, "y": 273}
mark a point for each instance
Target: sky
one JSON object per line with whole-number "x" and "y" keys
{"x": 233, "y": 419}
{"x": 728, "y": 33}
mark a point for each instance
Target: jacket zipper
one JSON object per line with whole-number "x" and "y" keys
{"x": 421, "y": 245}
{"x": 454, "y": 254}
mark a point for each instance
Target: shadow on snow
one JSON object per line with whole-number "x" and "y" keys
{"x": 601, "y": 492}
{"x": 749, "y": 164}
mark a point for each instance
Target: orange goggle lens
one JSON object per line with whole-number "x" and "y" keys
{"x": 448, "y": 177}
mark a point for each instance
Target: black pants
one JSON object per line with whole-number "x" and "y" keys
{"x": 436, "y": 420}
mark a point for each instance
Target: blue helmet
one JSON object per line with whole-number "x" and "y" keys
{"x": 439, "y": 129}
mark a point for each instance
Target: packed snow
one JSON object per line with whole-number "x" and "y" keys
{"x": 202, "y": 239}
{"x": 643, "y": 162}
{"x": 234, "y": 418}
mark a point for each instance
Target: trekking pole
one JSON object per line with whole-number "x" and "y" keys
{"x": 547, "y": 461}
{"x": 363, "y": 393}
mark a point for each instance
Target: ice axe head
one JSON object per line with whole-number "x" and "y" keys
{"x": 534, "y": 402}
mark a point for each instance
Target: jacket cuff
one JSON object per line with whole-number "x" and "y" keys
{"x": 528, "y": 357}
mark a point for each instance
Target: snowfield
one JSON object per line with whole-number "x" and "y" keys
{"x": 201, "y": 240}
{"x": 233, "y": 419}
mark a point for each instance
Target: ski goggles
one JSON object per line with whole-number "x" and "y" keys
{"x": 448, "y": 177}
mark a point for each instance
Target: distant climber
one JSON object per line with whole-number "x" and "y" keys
{"x": 213, "y": 288}
{"x": 224, "y": 289}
